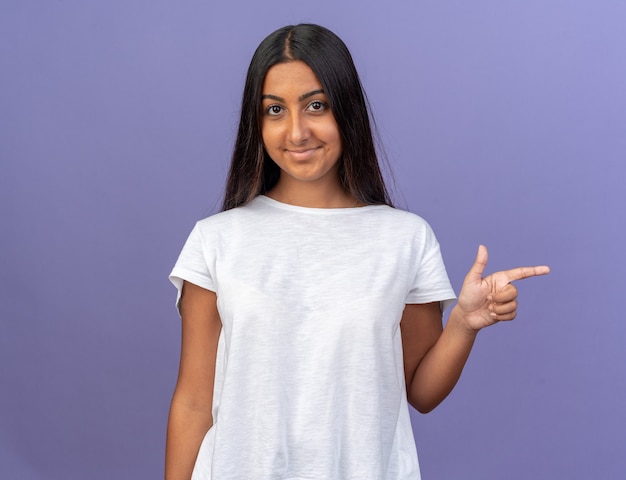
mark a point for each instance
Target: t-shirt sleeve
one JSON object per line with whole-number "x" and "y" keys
{"x": 430, "y": 282}
{"x": 192, "y": 265}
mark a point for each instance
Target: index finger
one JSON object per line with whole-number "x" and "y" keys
{"x": 524, "y": 272}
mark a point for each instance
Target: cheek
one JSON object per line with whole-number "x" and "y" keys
{"x": 267, "y": 136}
{"x": 331, "y": 135}
{"x": 336, "y": 140}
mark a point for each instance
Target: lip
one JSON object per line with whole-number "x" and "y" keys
{"x": 303, "y": 154}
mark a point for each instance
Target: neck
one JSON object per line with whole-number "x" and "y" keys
{"x": 312, "y": 194}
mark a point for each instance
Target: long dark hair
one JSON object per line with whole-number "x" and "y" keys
{"x": 252, "y": 171}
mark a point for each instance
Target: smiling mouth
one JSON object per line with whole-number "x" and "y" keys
{"x": 302, "y": 154}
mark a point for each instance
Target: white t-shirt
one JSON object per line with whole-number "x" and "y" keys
{"x": 309, "y": 381}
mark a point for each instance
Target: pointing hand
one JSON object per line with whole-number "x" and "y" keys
{"x": 484, "y": 301}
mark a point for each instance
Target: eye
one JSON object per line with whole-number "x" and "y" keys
{"x": 274, "y": 110}
{"x": 317, "y": 106}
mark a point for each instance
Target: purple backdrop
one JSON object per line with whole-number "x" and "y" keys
{"x": 504, "y": 122}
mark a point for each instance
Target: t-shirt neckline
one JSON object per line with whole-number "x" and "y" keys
{"x": 315, "y": 210}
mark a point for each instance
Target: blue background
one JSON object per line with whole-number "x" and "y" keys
{"x": 504, "y": 123}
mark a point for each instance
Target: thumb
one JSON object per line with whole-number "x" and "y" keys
{"x": 476, "y": 272}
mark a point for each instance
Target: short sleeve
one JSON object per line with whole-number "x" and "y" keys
{"x": 430, "y": 282}
{"x": 192, "y": 265}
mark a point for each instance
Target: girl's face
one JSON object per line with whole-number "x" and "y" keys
{"x": 299, "y": 130}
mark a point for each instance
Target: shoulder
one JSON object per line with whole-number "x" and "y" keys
{"x": 229, "y": 217}
{"x": 400, "y": 218}
{"x": 400, "y": 227}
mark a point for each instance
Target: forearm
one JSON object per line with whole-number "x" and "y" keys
{"x": 441, "y": 367}
{"x": 187, "y": 426}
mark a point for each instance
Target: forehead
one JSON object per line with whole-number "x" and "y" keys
{"x": 294, "y": 77}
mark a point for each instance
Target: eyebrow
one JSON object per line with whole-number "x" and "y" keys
{"x": 300, "y": 98}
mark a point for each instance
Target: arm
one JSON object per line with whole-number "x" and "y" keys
{"x": 190, "y": 412}
{"x": 434, "y": 357}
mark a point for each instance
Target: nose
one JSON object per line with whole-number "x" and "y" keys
{"x": 299, "y": 131}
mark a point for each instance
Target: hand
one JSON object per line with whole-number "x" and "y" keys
{"x": 485, "y": 301}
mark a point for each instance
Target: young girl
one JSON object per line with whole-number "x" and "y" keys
{"x": 311, "y": 308}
